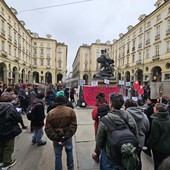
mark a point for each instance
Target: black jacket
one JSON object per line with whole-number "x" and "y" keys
{"x": 9, "y": 119}
{"x": 38, "y": 114}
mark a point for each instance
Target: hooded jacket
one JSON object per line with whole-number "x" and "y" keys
{"x": 160, "y": 132}
{"x": 101, "y": 137}
{"x": 9, "y": 119}
{"x": 142, "y": 122}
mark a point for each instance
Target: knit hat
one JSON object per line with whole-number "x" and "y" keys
{"x": 60, "y": 93}
{"x": 61, "y": 100}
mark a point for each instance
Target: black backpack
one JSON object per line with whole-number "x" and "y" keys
{"x": 120, "y": 140}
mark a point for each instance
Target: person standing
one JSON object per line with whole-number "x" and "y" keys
{"x": 38, "y": 116}
{"x": 116, "y": 102}
{"x": 9, "y": 129}
{"x": 142, "y": 122}
{"x": 61, "y": 125}
{"x": 159, "y": 140}
{"x": 100, "y": 101}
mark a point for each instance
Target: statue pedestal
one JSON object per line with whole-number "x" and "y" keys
{"x": 102, "y": 84}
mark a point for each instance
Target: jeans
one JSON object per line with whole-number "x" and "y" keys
{"x": 37, "y": 136}
{"x": 107, "y": 164}
{"x": 6, "y": 150}
{"x": 58, "y": 154}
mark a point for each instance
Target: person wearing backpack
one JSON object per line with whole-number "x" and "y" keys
{"x": 122, "y": 123}
{"x": 141, "y": 120}
{"x": 100, "y": 102}
{"x": 37, "y": 120}
{"x": 9, "y": 129}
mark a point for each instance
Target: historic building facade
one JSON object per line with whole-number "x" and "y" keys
{"x": 142, "y": 53}
{"x": 85, "y": 63}
{"x": 26, "y": 57}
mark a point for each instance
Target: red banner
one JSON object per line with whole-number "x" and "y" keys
{"x": 91, "y": 92}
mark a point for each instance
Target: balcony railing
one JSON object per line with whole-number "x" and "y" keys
{"x": 157, "y": 37}
{"x": 3, "y": 53}
{"x": 139, "y": 62}
{"x": 48, "y": 66}
{"x": 147, "y": 41}
{"x": 155, "y": 57}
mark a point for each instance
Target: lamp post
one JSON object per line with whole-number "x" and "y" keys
{"x": 160, "y": 94}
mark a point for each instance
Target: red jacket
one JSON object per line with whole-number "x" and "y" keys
{"x": 95, "y": 116}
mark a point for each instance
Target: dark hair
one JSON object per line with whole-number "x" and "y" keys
{"x": 116, "y": 100}
{"x": 130, "y": 103}
{"x": 40, "y": 95}
{"x": 165, "y": 165}
{"x": 9, "y": 89}
{"x": 161, "y": 107}
{"x": 6, "y": 98}
{"x": 100, "y": 98}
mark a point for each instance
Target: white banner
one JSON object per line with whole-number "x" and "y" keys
{"x": 82, "y": 82}
{"x": 121, "y": 82}
{"x": 106, "y": 81}
{"x": 128, "y": 83}
{"x": 94, "y": 83}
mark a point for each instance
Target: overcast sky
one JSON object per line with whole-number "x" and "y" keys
{"x": 81, "y": 23}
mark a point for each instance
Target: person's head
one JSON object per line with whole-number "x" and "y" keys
{"x": 160, "y": 107}
{"x": 10, "y": 90}
{"x": 130, "y": 103}
{"x": 29, "y": 86}
{"x": 61, "y": 100}
{"x": 165, "y": 165}
{"x": 100, "y": 97}
{"x": 7, "y": 97}
{"x": 116, "y": 101}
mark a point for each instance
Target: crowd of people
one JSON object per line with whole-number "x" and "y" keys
{"x": 150, "y": 125}
{"x": 30, "y": 99}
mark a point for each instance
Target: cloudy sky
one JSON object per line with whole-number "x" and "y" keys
{"x": 77, "y": 22}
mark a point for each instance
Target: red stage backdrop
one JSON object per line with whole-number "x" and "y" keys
{"x": 90, "y": 93}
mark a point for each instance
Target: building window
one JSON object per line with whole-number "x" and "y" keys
{"x": 158, "y": 18}
{"x": 140, "y": 55}
{"x": 35, "y": 43}
{"x": 157, "y": 50}
{"x": 41, "y": 62}
{"x": 168, "y": 24}
{"x": 168, "y": 46}
{"x": 15, "y": 35}
{"x": 158, "y": 30}
{"x": 35, "y": 62}
{"x": 147, "y": 53}
{"x": 41, "y": 44}
{"x": 48, "y": 62}
{"x": 41, "y": 52}
{"x": 168, "y": 11}
{"x": 48, "y": 52}
{"x": 140, "y": 30}
{"x": 127, "y": 60}
{"x": 35, "y": 51}
{"x": 19, "y": 54}
{"x": 133, "y": 58}
{"x": 9, "y": 49}
{"x": 48, "y": 44}
{"x": 15, "y": 52}
{"x": 148, "y": 24}
{"x": 2, "y": 11}
{"x": 59, "y": 64}
{"x": 3, "y": 45}
{"x": 3, "y": 23}
{"x": 9, "y": 18}
{"x": 148, "y": 36}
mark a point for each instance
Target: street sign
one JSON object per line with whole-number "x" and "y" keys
{"x": 106, "y": 81}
